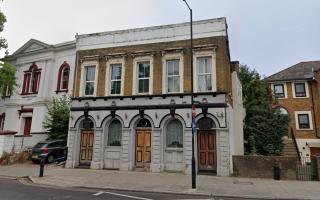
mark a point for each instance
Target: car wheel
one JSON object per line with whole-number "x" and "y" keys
{"x": 50, "y": 159}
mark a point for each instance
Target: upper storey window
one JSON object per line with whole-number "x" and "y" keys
{"x": 115, "y": 76}
{"x": 31, "y": 80}
{"x": 89, "y": 78}
{"x": 172, "y": 72}
{"x": 204, "y": 71}
{"x": 143, "y": 75}
{"x": 115, "y": 79}
{"x": 63, "y": 77}
{"x": 204, "y": 74}
{"x": 173, "y": 76}
{"x": 279, "y": 91}
{"x": 300, "y": 90}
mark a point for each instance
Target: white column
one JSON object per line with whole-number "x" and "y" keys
{"x": 71, "y": 148}
{"x": 97, "y": 162}
{"x": 187, "y": 150}
{"x": 155, "y": 165}
{"x": 125, "y": 162}
{"x": 223, "y": 153}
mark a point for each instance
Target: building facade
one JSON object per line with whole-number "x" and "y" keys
{"x": 297, "y": 91}
{"x": 43, "y": 71}
{"x": 132, "y": 100}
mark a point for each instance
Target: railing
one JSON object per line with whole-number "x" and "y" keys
{"x": 295, "y": 144}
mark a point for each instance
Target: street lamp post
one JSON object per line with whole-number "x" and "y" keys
{"x": 193, "y": 161}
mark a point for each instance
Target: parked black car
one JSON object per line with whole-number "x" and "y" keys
{"x": 51, "y": 151}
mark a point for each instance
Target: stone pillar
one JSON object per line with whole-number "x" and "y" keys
{"x": 223, "y": 153}
{"x": 125, "y": 162}
{"x": 187, "y": 150}
{"x": 155, "y": 165}
{"x": 97, "y": 162}
{"x": 70, "y": 163}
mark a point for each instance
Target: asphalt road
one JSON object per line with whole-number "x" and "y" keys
{"x": 23, "y": 190}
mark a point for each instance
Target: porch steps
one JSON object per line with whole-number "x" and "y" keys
{"x": 289, "y": 149}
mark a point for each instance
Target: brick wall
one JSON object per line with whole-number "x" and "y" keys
{"x": 222, "y": 64}
{"x": 262, "y": 166}
{"x": 302, "y": 104}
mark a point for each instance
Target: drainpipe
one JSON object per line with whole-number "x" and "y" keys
{"x": 314, "y": 114}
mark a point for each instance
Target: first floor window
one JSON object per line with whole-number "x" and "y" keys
{"x": 300, "y": 89}
{"x": 279, "y": 91}
{"x": 27, "y": 125}
{"x": 114, "y": 133}
{"x": 204, "y": 74}
{"x": 174, "y": 134}
{"x": 143, "y": 77}
{"x": 303, "y": 121}
{"x": 115, "y": 71}
{"x": 173, "y": 76}
{"x": 89, "y": 80}
{"x": 65, "y": 79}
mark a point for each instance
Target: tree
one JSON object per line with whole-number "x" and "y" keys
{"x": 7, "y": 78}
{"x": 3, "y": 41}
{"x": 57, "y": 118}
{"x": 7, "y": 71}
{"x": 264, "y": 127}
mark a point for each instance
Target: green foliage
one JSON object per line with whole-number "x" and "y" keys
{"x": 57, "y": 119}
{"x": 264, "y": 127}
{"x": 3, "y": 41}
{"x": 7, "y": 78}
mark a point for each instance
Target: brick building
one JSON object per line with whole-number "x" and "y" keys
{"x": 134, "y": 87}
{"x": 297, "y": 91}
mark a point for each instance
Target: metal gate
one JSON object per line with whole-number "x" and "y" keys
{"x": 304, "y": 169}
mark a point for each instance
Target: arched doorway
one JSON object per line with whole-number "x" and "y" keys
{"x": 86, "y": 142}
{"x": 206, "y": 142}
{"x": 143, "y": 144}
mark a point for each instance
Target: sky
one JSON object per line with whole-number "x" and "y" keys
{"x": 268, "y": 35}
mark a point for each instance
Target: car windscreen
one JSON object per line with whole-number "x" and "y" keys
{"x": 39, "y": 145}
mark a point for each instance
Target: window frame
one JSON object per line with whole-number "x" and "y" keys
{"x": 169, "y": 57}
{"x": 202, "y": 54}
{"x": 297, "y": 120}
{"x": 32, "y": 74}
{"x": 60, "y": 82}
{"x": 284, "y": 85}
{"x": 108, "y": 135}
{"x": 282, "y": 95}
{"x": 109, "y": 63}
{"x": 82, "y": 88}
{"x": 135, "y": 81}
{"x": 166, "y": 135}
{"x": 306, "y": 88}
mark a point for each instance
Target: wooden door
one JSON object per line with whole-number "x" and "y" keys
{"x": 207, "y": 150}
{"x": 315, "y": 151}
{"x": 86, "y": 147}
{"x": 143, "y": 148}
{"x": 27, "y": 125}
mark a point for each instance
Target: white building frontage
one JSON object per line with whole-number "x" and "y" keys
{"x": 131, "y": 107}
{"x": 43, "y": 71}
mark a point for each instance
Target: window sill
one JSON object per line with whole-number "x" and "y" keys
{"x": 304, "y": 129}
{"x": 29, "y": 94}
{"x": 174, "y": 149}
{"x": 59, "y": 91}
{"x": 23, "y": 136}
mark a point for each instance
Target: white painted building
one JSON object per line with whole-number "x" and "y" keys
{"x": 133, "y": 87}
{"x": 43, "y": 71}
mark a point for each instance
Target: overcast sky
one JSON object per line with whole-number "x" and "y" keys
{"x": 268, "y": 35}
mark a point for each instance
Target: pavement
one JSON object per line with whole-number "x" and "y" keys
{"x": 166, "y": 182}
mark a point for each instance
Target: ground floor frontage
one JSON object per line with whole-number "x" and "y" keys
{"x": 21, "y": 126}
{"x": 154, "y": 140}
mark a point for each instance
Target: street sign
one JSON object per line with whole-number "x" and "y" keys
{"x": 194, "y": 131}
